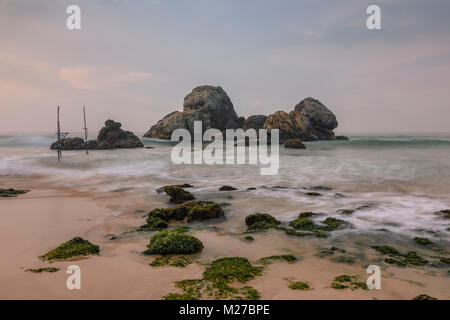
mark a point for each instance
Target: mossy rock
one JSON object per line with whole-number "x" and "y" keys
{"x": 345, "y": 211}
{"x": 261, "y": 221}
{"x": 184, "y": 186}
{"x": 11, "y": 193}
{"x": 231, "y": 269}
{"x": 248, "y": 238}
{"x": 153, "y": 223}
{"x": 423, "y": 297}
{"x": 444, "y": 260}
{"x": 285, "y": 257}
{"x": 178, "y": 195}
{"x": 422, "y": 241}
{"x": 411, "y": 258}
{"x": 189, "y": 211}
{"x": 303, "y": 224}
{"x": 40, "y": 270}
{"x": 227, "y": 188}
{"x": 299, "y": 285}
{"x": 387, "y": 250}
{"x": 332, "y": 224}
{"x": 173, "y": 242}
{"x": 306, "y": 214}
{"x": 331, "y": 251}
{"x": 72, "y": 248}
{"x": 343, "y": 259}
{"x": 444, "y": 213}
{"x": 313, "y": 194}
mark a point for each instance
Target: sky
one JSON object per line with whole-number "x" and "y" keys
{"x": 135, "y": 61}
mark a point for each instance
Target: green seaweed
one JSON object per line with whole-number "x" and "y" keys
{"x": 217, "y": 279}
{"x": 231, "y": 269}
{"x": 40, "y": 270}
{"x": 423, "y": 241}
{"x": 248, "y": 238}
{"x": 11, "y": 193}
{"x": 177, "y": 194}
{"x": 302, "y": 223}
{"x": 345, "y": 281}
{"x": 411, "y": 258}
{"x": 387, "y": 250}
{"x": 343, "y": 259}
{"x": 153, "y": 223}
{"x": 298, "y": 285}
{"x": 423, "y": 297}
{"x": 286, "y": 257}
{"x": 179, "y": 296}
{"x": 331, "y": 224}
{"x": 72, "y": 248}
{"x": 189, "y": 211}
{"x": 163, "y": 261}
{"x": 173, "y": 242}
{"x": 260, "y": 221}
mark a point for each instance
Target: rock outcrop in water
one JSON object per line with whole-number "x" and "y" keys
{"x": 310, "y": 120}
{"x": 111, "y": 136}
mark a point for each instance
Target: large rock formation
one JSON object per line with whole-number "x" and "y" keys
{"x": 111, "y": 136}
{"x": 208, "y": 104}
{"x": 309, "y": 121}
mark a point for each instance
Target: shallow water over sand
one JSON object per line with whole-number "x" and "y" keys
{"x": 402, "y": 180}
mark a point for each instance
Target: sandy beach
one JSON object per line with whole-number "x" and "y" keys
{"x": 38, "y": 221}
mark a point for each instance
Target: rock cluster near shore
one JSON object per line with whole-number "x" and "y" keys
{"x": 111, "y": 136}
{"x": 310, "y": 120}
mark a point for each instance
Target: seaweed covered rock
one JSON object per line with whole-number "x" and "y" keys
{"x": 177, "y": 194}
{"x": 72, "y": 248}
{"x": 399, "y": 259}
{"x": 173, "y": 242}
{"x": 231, "y": 269}
{"x": 285, "y": 257}
{"x": 227, "y": 188}
{"x": 184, "y": 186}
{"x": 11, "y": 193}
{"x": 260, "y": 221}
{"x": 444, "y": 213}
{"x": 423, "y": 241}
{"x": 153, "y": 223}
{"x": 189, "y": 211}
{"x": 423, "y": 297}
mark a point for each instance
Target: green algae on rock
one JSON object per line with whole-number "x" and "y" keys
{"x": 285, "y": 257}
{"x": 423, "y": 241}
{"x": 260, "y": 221}
{"x": 11, "y": 193}
{"x": 40, "y": 270}
{"x": 163, "y": 261}
{"x": 217, "y": 279}
{"x": 399, "y": 259}
{"x": 231, "y": 269}
{"x": 298, "y": 285}
{"x": 153, "y": 223}
{"x": 444, "y": 213}
{"x": 173, "y": 242}
{"x": 72, "y": 248}
{"x": 189, "y": 211}
{"x": 423, "y": 297}
{"x": 345, "y": 281}
{"x": 388, "y": 250}
{"x": 177, "y": 194}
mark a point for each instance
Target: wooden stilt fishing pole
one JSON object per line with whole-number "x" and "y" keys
{"x": 60, "y": 136}
{"x": 85, "y": 131}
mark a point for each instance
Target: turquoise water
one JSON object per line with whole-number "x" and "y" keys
{"x": 403, "y": 178}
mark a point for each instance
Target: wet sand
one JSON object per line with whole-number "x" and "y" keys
{"x": 37, "y": 222}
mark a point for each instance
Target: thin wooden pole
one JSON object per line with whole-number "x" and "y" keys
{"x": 58, "y": 135}
{"x": 85, "y": 131}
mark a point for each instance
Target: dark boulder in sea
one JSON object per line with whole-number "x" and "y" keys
{"x": 344, "y": 138}
{"x": 208, "y": 104}
{"x": 74, "y": 144}
{"x": 255, "y": 122}
{"x": 111, "y": 136}
{"x": 309, "y": 121}
{"x": 177, "y": 194}
{"x": 227, "y": 188}
{"x": 294, "y": 144}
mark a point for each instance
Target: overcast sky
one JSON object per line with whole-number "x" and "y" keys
{"x": 134, "y": 61}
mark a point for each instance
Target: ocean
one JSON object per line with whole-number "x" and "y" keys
{"x": 395, "y": 183}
